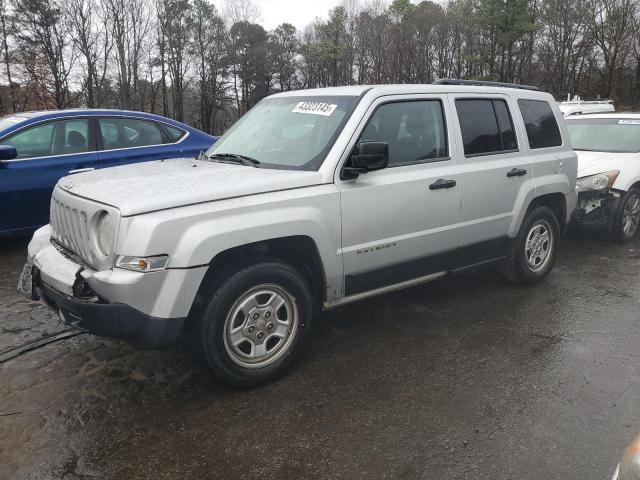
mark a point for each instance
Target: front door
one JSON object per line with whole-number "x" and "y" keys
{"x": 399, "y": 223}
{"x": 46, "y": 152}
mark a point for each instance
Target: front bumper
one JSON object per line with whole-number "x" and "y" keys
{"x": 148, "y": 309}
{"x": 112, "y": 320}
{"x": 595, "y": 208}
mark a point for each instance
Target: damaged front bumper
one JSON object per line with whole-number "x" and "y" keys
{"x": 147, "y": 309}
{"x": 595, "y": 208}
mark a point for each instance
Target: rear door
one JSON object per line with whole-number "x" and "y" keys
{"x": 544, "y": 141}
{"x": 494, "y": 170}
{"x": 123, "y": 140}
{"x": 397, "y": 223}
{"x": 46, "y": 152}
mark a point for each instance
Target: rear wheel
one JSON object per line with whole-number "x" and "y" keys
{"x": 254, "y": 323}
{"x": 626, "y": 217}
{"x": 531, "y": 255}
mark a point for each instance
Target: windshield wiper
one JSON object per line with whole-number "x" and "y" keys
{"x": 236, "y": 158}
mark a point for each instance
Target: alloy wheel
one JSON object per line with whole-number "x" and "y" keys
{"x": 260, "y": 326}
{"x": 631, "y": 215}
{"x": 538, "y": 245}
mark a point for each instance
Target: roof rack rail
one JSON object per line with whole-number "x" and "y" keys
{"x": 482, "y": 83}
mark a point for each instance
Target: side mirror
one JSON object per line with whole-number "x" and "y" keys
{"x": 7, "y": 152}
{"x": 370, "y": 156}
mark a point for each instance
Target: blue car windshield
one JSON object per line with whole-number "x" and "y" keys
{"x": 293, "y": 132}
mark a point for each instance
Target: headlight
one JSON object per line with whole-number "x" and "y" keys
{"x": 142, "y": 264}
{"x": 103, "y": 232}
{"x": 600, "y": 181}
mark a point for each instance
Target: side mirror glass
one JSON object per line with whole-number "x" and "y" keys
{"x": 7, "y": 152}
{"x": 369, "y": 156}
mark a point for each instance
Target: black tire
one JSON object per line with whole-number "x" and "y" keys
{"x": 516, "y": 267}
{"x": 617, "y": 231}
{"x": 233, "y": 284}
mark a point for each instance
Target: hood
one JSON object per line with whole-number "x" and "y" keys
{"x": 590, "y": 163}
{"x": 150, "y": 186}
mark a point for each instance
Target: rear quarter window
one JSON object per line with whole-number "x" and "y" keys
{"x": 175, "y": 134}
{"x": 540, "y": 123}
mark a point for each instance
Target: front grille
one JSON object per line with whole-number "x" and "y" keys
{"x": 70, "y": 228}
{"x": 68, "y": 254}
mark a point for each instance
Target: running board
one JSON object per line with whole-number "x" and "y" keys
{"x": 381, "y": 290}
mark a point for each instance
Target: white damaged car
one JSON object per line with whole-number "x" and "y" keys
{"x": 608, "y": 148}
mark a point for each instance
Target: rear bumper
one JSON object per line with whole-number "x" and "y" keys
{"x": 112, "y": 320}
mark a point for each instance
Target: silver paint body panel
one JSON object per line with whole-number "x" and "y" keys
{"x": 194, "y": 210}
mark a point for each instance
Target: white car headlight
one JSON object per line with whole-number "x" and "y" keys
{"x": 600, "y": 181}
{"x": 103, "y": 232}
{"x": 142, "y": 264}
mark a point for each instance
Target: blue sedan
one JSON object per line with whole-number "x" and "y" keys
{"x": 38, "y": 148}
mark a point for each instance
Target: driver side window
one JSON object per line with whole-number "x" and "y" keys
{"x": 414, "y": 130}
{"x": 52, "y": 138}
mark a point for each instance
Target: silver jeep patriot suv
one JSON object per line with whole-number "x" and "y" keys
{"x": 312, "y": 200}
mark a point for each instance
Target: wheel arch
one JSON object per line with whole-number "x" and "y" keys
{"x": 299, "y": 251}
{"x": 557, "y": 202}
{"x": 636, "y": 184}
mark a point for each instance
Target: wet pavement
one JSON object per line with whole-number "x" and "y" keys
{"x": 466, "y": 377}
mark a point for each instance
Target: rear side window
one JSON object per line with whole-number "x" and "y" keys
{"x": 486, "y": 126}
{"x": 505, "y": 124}
{"x": 120, "y": 132}
{"x": 540, "y": 122}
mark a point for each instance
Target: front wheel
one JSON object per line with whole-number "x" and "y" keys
{"x": 254, "y": 323}
{"x": 532, "y": 253}
{"x": 626, "y": 217}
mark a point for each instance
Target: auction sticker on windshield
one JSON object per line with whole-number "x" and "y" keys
{"x": 315, "y": 108}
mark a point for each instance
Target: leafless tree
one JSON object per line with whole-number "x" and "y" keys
{"x": 235, "y": 11}
{"x": 187, "y": 60}
{"x": 129, "y": 25}
{"x": 47, "y": 53}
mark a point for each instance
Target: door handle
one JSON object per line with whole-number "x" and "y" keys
{"x": 516, "y": 172}
{"x": 442, "y": 183}
{"x": 80, "y": 170}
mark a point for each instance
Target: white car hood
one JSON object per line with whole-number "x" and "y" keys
{"x": 150, "y": 186}
{"x": 590, "y": 163}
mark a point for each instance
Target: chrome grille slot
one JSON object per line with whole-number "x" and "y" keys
{"x": 70, "y": 228}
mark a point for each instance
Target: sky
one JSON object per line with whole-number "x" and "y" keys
{"x": 297, "y": 12}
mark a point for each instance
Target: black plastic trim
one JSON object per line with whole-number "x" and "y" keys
{"x": 452, "y": 261}
{"x": 112, "y": 320}
{"x": 484, "y": 83}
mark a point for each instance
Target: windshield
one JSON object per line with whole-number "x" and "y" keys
{"x": 288, "y": 132}
{"x": 605, "y": 135}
